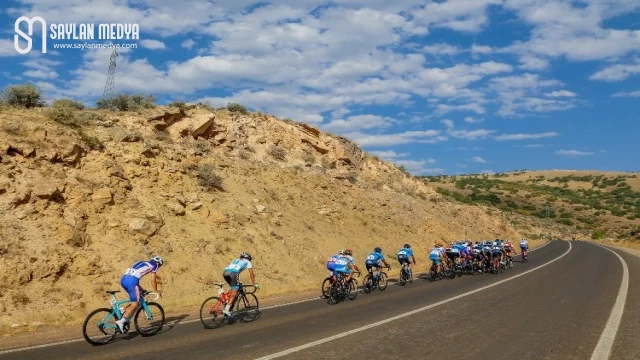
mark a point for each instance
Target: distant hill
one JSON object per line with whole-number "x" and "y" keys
{"x": 597, "y": 204}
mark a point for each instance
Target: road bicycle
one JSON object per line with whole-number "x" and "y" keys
{"x": 405, "y": 274}
{"x": 245, "y": 307}
{"x": 379, "y": 281}
{"x": 525, "y": 255}
{"x": 509, "y": 261}
{"x": 100, "y": 327}
{"x": 326, "y": 285}
{"x": 341, "y": 290}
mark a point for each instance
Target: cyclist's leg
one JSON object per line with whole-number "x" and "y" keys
{"x": 131, "y": 285}
{"x": 232, "y": 279}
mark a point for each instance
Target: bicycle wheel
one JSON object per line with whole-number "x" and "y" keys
{"x": 382, "y": 281}
{"x": 326, "y": 287}
{"x": 335, "y": 295}
{"x": 432, "y": 273}
{"x": 149, "y": 323}
{"x": 353, "y": 289}
{"x": 100, "y": 327}
{"x": 367, "y": 284}
{"x": 403, "y": 277}
{"x": 247, "y": 308}
{"x": 211, "y": 314}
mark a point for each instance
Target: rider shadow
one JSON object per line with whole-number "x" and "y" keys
{"x": 171, "y": 322}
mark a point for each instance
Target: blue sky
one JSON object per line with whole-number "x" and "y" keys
{"x": 458, "y": 86}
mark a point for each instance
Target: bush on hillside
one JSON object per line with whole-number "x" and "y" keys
{"x": 68, "y": 103}
{"x": 208, "y": 178}
{"x": 127, "y": 102}
{"x": 233, "y": 107}
{"x": 26, "y": 95}
{"x": 277, "y": 153}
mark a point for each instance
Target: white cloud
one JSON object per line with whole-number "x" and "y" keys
{"x": 471, "y": 134}
{"x": 529, "y": 62}
{"x": 41, "y": 68}
{"x": 488, "y": 172}
{"x": 441, "y": 49}
{"x": 531, "y": 146}
{"x": 442, "y": 109}
{"x": 627, "y": 94}
{"x": 616, "y": 72}
{"x": 560, "y": 93}
{"x": 519, "y": 95}
{"x": 509, "y": 137}
{"x": 389, "y": 154}
{"x": 7, "y": 48}
{"x": 481, "y": 49}
{"x": 573, "y": 153}
{"x": 153, "y": 44}
{"x": 478, "y": 159}
{"x": 425, "y": 136}
{"x": 418, "y": 166}
{"x": 188, "y": 44}
{"x": 472, "y": 120}
{"x": 358, "y": 123}
{"x": 448, "y": 123}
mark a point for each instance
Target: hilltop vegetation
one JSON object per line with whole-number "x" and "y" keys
{"x": 597, "y": 205}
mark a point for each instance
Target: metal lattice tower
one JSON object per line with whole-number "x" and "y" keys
{"x": 108, "y": 88}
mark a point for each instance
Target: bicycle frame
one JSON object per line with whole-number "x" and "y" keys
{"x": 115, "y": 306}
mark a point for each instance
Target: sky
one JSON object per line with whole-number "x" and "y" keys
{"x": 440, "y": 87}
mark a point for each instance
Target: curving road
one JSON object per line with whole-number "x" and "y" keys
{"x": 570, "y": 301}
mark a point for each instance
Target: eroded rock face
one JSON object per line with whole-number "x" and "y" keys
{"x": 142, "y": 226}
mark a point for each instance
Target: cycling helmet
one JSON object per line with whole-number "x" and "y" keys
{"x": 378, "y": 249}
{"x": 341, "y": 252}
{"x": 348, "y": 252}
{"x": 245, "y": 255}
{"x": 523, "y": 239}
{"x": 158, "y": 260}
{"x": 407, "y": 246}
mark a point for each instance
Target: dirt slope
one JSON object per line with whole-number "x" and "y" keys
{"x": 79, "y": 205}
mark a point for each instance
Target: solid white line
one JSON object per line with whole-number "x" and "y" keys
{"x": 386, "y": 321}
{"x": 603, "y": 348}
{"x": 189, "y": 321}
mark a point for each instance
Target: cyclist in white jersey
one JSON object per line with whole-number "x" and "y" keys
{"x": 131, "y": 283}
{"x": 231, "y": 275}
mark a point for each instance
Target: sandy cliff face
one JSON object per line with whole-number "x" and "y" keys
{"x": 73, "y": 218}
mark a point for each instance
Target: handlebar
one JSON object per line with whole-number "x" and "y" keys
{"x": 149, "y": 293}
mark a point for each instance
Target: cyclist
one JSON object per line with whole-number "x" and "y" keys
{"x": 373, "y": 260}
{"x": 131, "y": 283}
{"x": 436, "y": 257}
{"x": 403, "y": 257}
{"x": 477, "y": 255}
{"x": 486, "y": 253}
{"x": 524, "y": 247}
{"x": 453, "y": 253}
{"x": 331, "y": 263}
{"x": 231, "y": 275}
{"x": 350, "y": 266}
{"x": 508, "y": 248}
{"x": 497, "y": 250}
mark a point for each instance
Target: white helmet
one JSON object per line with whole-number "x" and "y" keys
{"x": 158, "y": 260}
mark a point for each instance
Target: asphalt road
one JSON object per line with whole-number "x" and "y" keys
{"x": 556, "y": 306}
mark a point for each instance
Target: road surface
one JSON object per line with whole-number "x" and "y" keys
{"x": 572, "y": 300}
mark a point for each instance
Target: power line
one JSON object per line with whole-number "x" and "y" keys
{"x": 111, "y": 76}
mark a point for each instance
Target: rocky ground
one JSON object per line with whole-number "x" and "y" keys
{"x": 81, "y": 203}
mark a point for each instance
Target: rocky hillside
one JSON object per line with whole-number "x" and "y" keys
{"x": 597, "y": 205}
{"x": 84, "y": 193}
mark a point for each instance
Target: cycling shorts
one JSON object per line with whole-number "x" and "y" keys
{"x": 132, "y": 285}
{"x": 436, "y": 261}
{"x": 342, "y": 270}
{"x": 403, "y": 259}
{"x": 233, "y": 279}
{"x": 524, "y": 248}
{"x": 453, "y": 255}
{"x": 331, "y": 266}
{"x": 371, "y": 267}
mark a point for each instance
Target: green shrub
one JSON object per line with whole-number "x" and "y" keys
{"x": 308, "y": 158}
{"x": 202, "y": 146}
{"x": 209, "y": 179}
{"x": 92, "y": 142}
{"x": 277, "y": 153}
{"x": 597, "y": 234}
{"x": 64, "y": 115}
{"x": 179, "y": 104}
{"x": 68, "y": 103}
{"x": 163, "y": 136}
{"x": 13, "y": 129}
{"x": 352, "y": 177}
{"x": 25, "y": 96}
{"x": 565, "y": 222}
{"x": 237, "y": 108}
{"x": 127, "y": 102}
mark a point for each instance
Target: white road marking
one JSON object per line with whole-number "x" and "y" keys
{"x": 603, "y": 348}
{"x": 178, "y": 322}
{"x": 386, "y": 321}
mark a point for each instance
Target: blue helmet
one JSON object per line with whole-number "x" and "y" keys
{"x": 378, "y": 249}
{"x": 407, "y": 246}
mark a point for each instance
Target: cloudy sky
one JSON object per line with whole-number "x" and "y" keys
{"x": 457, "y": 86}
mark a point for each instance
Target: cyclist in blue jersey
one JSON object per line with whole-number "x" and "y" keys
{"x": 231, "y": 275}
{"x": 373, "y": 260}
{"x": 131, "y": 283}
{"x": 435, "y": 255}
{"x": 404, "y": 254}
{"x": 331, "y": 263}
{"x": 346, "y": 265}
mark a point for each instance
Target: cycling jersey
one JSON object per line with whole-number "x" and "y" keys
{"x": 238, "y": 266}
{"x": 131, "y": 279}
{"x": 342, "y": 265}
{"x": 374, "y": 259}
{"x": 496, "y": 250}
{"x": 141, "y": 268}
{"x": 524, "y": 244}
{"x": 435, "y": 253}
{"x": 508, "y": 247}
{"x": 404, "y": 255}
{"x": 331, "y": 263}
